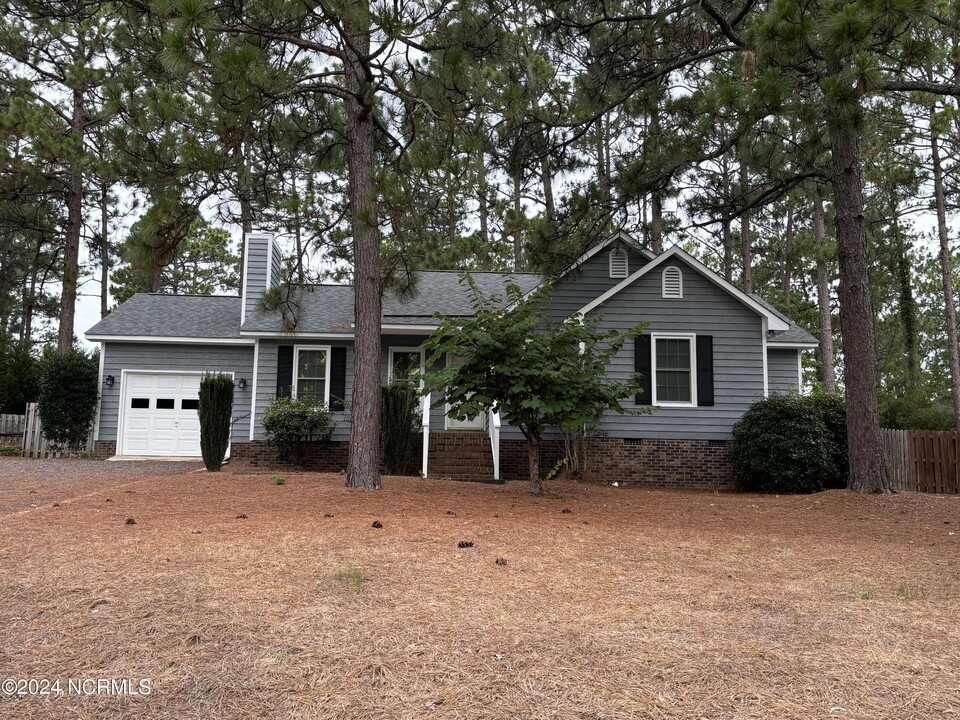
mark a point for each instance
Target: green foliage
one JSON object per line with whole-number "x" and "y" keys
{"x": 10, "y": 451}
{"x": 200, "y": 263}
{"x": 67, "y": 395}
{"x": 215, "y": 410}
{"x": 538, "y": 375}
{"x": 290, "y": 423}
{"x": 19, "y": 380}
{"x": 791, "y": 444}
{"x": 278, "y": 479}
{"x": 351, "y": 577}
{"x": 399, "y": 422}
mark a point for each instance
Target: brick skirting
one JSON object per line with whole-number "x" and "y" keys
{"x": 103, "y": 449}
{"x": 693, "y": 464}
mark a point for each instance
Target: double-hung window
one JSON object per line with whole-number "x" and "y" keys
{"x": 406, "y": 365}
{"x": 311, "y": 370}
{"x": 674, "y": 370}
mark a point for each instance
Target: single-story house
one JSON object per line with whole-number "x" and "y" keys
{"x": 708, "y": 353}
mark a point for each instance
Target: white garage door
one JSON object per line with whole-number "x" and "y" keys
{"x": 160, "y": 415}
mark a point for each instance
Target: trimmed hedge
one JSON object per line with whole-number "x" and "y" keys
{"x": 791, "y": 444}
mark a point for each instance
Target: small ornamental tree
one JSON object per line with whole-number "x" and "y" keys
{"x": 290, "y": 423}
{"x": 399, "y": 418}
{"x": 67, "y": 396}
{"x": 536, "y": 374}
{"x": 216, "y": 411}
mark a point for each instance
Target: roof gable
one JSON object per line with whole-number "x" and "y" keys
{"x": 774, "y": 321}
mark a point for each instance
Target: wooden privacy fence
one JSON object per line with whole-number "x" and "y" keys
{"x": 11, "y": 429}
{"x": 923, "y": 460}
{"x": 35, "y": 445}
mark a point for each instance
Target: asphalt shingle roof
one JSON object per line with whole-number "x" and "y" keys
{"x": 182, "y": 316}
{"x": 329, "y": 308}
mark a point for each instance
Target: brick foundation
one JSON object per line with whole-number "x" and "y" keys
{"x": 691, "y": 464}
{"x": 103, "y": 449}
{"x": 322, "y": 457}
{"x": 694, "y": 464}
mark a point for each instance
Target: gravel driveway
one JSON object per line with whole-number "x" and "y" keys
{"x": 26, "y": 483}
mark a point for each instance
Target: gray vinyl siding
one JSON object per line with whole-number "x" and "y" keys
{"x": 255, "y": 272}
{"x": 705, "y": 309}
{"x": 276, "y": 266}
{"x": 118, "y": 357}
{"x": 587, "y": 282}
{"x": 782, "y": 371}
{"x": 267, "y": 382}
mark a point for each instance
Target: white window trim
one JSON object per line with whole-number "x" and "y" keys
{"x": 399, "y": 349}
{"x": 663, "y": 283}
{"x": 326, "y": 364}
{"x": 626, "y": 263}
{"x": 693, "y": 367}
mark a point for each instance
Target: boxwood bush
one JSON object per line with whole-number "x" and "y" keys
{"x": 290, "y": 423}
{"x": 791, "y": 444}
{"x": 399, "y": 425}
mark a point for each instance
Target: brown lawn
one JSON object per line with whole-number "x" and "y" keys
{"x": 634, "y": 604}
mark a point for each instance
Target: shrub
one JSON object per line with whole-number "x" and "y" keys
{"x": 19, "y": 380}
{"x": 290, "y": 423}
{"x": 67, "y": 396}
{"x": 215, "y": 410}
{"x": 399, "y": 420}
{"x": 781, "y": 444}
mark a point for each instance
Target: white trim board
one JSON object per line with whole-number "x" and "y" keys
{"x": 168, "y": 339}
{"x": 774, "y": 322}
{"x": 326, "y": 367}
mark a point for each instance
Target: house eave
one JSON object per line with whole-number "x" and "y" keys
{"x": 170, "y": 340}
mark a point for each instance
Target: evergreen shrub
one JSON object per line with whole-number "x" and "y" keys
{"x": 216, "y": 412}
{"x": 290, "y": 423}
{"x": 399, "y": 423}
{"x": 791, "y": 444}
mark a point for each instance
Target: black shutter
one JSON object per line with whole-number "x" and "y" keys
{"x": 641, "y": 362}
{"x": 705, "y": 370}
{"x": 338, "y": 378}
{"x": 284, "y": 370}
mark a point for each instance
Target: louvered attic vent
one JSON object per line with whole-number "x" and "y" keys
{"x": 672, "y": 283}
{"x": 619, "y": 267}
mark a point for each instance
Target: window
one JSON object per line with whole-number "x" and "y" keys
{"x": 673, "y": 370}
{"x": 406, "y": 365}
{"x": 672, "y": 282}
{"x": 140, "y": 403}
{"x": 619, "y": 263}
{"x": 311, "y": 373}
{"x": 166, "y": 403}
{"x": 189, "y": 404}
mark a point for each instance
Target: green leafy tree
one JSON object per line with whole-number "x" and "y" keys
{"x": 67, "y": 396}
{"x": 215, "y": 410}
{"x": 536, "y": 375}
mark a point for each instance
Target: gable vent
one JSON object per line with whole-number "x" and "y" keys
{"x": 619, "y": 267}
{"x": 672, "y": 282}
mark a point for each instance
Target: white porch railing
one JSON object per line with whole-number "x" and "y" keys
{"x": 425, "y": 426}
{"x": 493, "y": 429}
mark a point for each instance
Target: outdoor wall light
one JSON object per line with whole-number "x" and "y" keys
{"x": 242, "y": 383}
{"x": 108, "y": 380}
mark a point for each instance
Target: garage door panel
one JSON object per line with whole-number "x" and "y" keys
{"x": 160, "y": 415}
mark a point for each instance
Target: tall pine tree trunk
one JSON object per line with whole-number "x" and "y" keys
{"x": 867, "y": 470}
{"x": 787, "y": 279}
{"x": 746, "y": 243}
{"x": 946, "y": 271}
{"x": 827, "y": 373}
{"x": 104, "y": 250}
{"x": 656, "y": 223}
{"x": 533, "y": 459}
{"x": 71, "y": 255}
{"x": 517, "y": 210}
{"x": 363, "y": 465}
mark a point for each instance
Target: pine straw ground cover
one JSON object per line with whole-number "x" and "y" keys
{"x": 634, "y": 604}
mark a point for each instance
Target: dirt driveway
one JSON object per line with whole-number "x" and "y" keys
{"x": 26, "y": 484}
